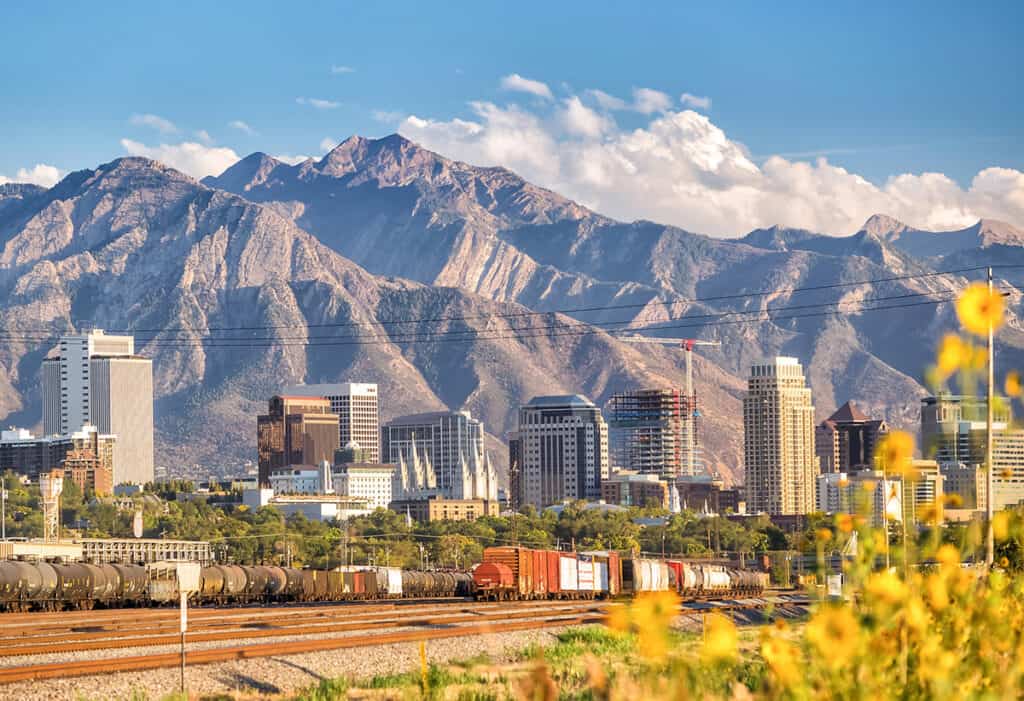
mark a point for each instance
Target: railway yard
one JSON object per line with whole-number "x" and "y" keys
{"x": 109, "y": 653}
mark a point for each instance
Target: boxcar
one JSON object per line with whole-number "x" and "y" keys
{"x": 520, "y": 561}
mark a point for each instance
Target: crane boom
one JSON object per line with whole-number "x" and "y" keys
{"x": 687, "y": 344}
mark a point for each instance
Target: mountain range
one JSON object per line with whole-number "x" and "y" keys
{"x": 455, "y": 286}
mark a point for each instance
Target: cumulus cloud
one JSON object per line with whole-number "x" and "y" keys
{"x": 517, "y": 83}
{"x": 242, "y": 127}
{"x": 328, "y": 144}
{"x": 318, "y": 103}
{"x": 695, "y": 101}
{"x": 340, "y": 70}
{"x": 680, "y": 168}
{"x": 647, "y": 101}
{"x": 606, "y": 101}
{"x": 39, "y": 174}
{"x": 164, "y": 126}
{"x": 204, "y": 136}
{"x": 195, "y": 159}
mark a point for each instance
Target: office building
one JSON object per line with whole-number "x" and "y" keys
{"x": 295, "y": 431}
{"x": 564, "y": 448}
{"x": 448, "y": 447}
{"x": 631, "y": 488}
{"x": 315, "y": 507}
{"x": 923, "y": 492}
{"x": 298, "y": 480}
{"x": 868, "y": 492}
{"x": 846, "y": 441}
{"x": 653, "y": 431}
{"x": 778, "y": 427}
{"x": 89, "y": 462}
{"x": 703, "y": 493}
{"x": 372, "y": 482}
{"x": 965, "y": 481}
{"x": 97, "y": 379}
{"x": 356, "y": 405}
{"x": 953, "y": 433}
{"x": 30, "y": 455}
{"x": 439, "y": 508}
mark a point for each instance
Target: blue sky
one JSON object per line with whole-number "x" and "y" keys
{"x": 878, "y": 91}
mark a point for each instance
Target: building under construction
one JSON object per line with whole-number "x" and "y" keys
{"x": 654, "y": 431}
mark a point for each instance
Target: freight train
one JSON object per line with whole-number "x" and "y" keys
{"x": 516, "y": 573}
{"x": 506, "y": 573}
{"x": 27, "y": 586}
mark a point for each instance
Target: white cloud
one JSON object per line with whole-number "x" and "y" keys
{"x": 189, "y": 157}
{"x": 318, "y": 103}
{"x": 606, "y": 101}
{"x": 518, "y": 83}
{"x": 387, "y": 116}
{"x": 680, "y": 168}
{"x": 164, "y": 126}
{"x": 328, "y": 144}
{"x": 204, "y": 136}
{"x": 647, "y": 101}
{"x": 695, "y": 101}
{"x": 242, "y": 127}
{"x": 39, "y": 174}
{"x": 291, "y": 160}
{"x": 583, "y": 121}
{"x": 339, "y": 70}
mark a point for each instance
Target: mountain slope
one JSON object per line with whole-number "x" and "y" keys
{"x": 398, "y": 209}
{"x": 136, "y": 245}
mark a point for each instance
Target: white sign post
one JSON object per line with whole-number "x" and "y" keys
{"x": 188, "y": 582}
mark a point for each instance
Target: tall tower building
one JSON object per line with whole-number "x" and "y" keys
{"x": 846, "y": 441}
{"x": 295, "y": 431}
{"x": 649, "y": 432}
{"x": 778, "y": 429}
{"x": 356, "y": 405}
{"x": 452, "y": 442}
{"x": 97, "y": 379}
{"x": 563, "y": 450}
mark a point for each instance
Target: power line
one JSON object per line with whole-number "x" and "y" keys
{"x": 436, "y": 338}
{"x": 559, "y": 325}
{"x": 529, "y": 313}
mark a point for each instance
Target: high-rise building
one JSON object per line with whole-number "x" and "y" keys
{"x": 967, "y": 482}
{"x": 450, "y": 445}
{"x": 846, "y": 441}
{"x": 953, "y": 433}
{"x": 631, "y": 488}
{"x": 295, "y": 431}
{"x": 97, "y": 379}
{"x": 778, "y": 429}
{"x": 83, "y": 450}
{"x": 650, "y": 431}
{"x": 564, "y": 448}
{"x": 357, "y": 408}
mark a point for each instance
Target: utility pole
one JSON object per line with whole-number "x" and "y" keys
{"x": 990, "y": 546}
{"x": 3, "y": 509}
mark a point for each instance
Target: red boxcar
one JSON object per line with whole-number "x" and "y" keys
{"x": 520, "y": 562}
{"x": 676, "y": 569}
{"x": 551, "y": 567}
{"x": 614, "y": 574}
{"x": 539, "y": 566}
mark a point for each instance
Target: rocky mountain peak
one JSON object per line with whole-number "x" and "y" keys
{"x": 252, "y": 170}
{"x": 883, "y": 226}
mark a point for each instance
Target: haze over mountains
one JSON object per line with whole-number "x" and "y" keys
{"x": 334, "y": 252}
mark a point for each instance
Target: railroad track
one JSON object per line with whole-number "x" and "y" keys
{"x": 238, "y": 652}
{"x": 254, "y": 625}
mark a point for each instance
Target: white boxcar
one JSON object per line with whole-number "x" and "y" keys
{"x": 389, "y": 579}
{"x": 568, "y": 573}
{"x": 585, "y": 577}
{"x": 601, "y": 577}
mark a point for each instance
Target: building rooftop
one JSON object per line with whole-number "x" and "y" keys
{"x": 425, "y": 418}
{"x": 561, "y": 400}
{"x": 849, "y": 413}
{"x": 331, "y": 389}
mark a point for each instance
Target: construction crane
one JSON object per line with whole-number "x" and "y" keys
{"x": 687, "y": 344}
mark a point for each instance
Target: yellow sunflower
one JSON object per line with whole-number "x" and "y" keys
{"x": 980, "y": 309}
{"x": 953, "y": 354}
